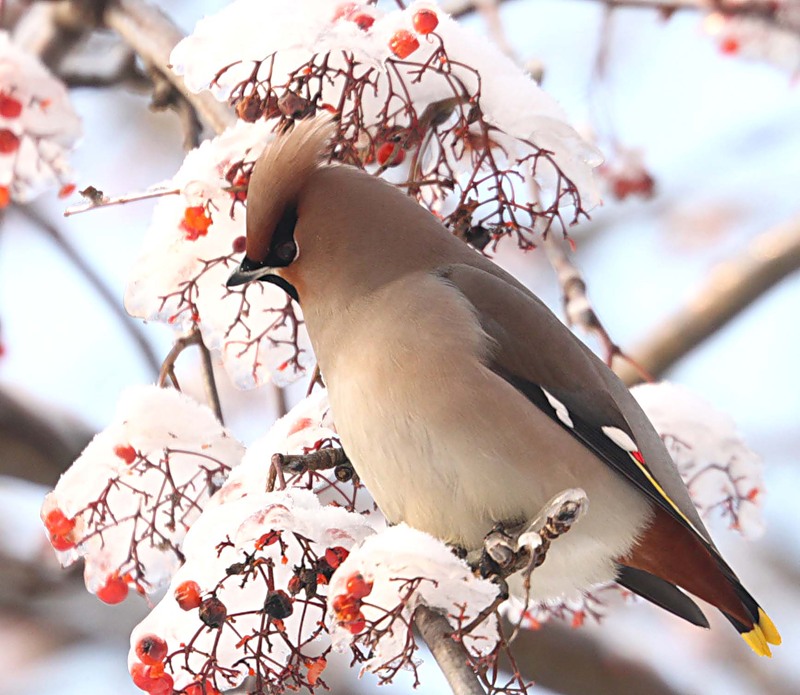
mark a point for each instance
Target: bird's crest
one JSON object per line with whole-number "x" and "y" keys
{"x": 279, "y": 175}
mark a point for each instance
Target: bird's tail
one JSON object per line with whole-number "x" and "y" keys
{"x": 674, "y": 553}
{"x": 760, "y": 631}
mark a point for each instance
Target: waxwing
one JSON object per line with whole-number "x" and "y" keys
{"x": 462, "y": 401}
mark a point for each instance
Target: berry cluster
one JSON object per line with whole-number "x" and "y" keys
{"x": 403, "y": 43}
{"x": 148, "y": 673}
{"x": 347, "y": 606}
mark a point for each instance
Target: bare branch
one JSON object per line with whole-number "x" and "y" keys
{"x": 730, "y": 288}
{"x": 768, "y": 10}
{"x": 451, "y": 656}
{"x": 152, "y": 35}
{"x": 578, "y": 310}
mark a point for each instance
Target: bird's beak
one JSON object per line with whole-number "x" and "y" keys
{"x": 247, "y": 272}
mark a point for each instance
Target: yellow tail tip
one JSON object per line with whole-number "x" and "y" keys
{"x": 768, "y": 628}
{"x": 757, "y": 641}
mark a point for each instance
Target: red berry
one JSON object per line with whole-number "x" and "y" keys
{"x": 66, "y": 190}
{"x": 196, "y": 222}
{"x": 403, "y": 43}
{"x": 356, "y": 625}
{"x": 151, "y": 649}
{"x": 152, "y": 679}
{"x": 239, "y": 244}
{"x": 202, "y": 688}
{"x": 61, "y": 542}
{"x": 364, "y": 21}
{"x": 126, "y": 452}
{"x": 425, "y": 21}
{"x": 357, "y": 586}
{"x": 5, "y": 197}
{"x": 188, "y": 595}
{"x": 57, "y": 523}
{"x": 9, "y": 106}
{"x": 9, "y": 142}
{"x": 141, "y": 675}
{"x": 344, "y": 602}
{"x": 115, "y": 590}
{"x": 335, "y": 556}
{"x": 729, "y": 45}
{"x": 390, "y": 154}
{"x": 295, "y": 585}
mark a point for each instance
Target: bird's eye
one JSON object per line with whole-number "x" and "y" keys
{"x": 286, "y": 252}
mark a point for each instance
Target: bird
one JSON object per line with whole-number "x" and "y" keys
{"x": 462, "y": 401}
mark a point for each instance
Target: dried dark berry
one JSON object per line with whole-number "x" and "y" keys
{"x": 278, "y": 605}
{"x": 213, "y": 612}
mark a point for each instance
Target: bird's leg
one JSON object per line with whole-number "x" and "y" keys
{"x": 321, "y": 460}
{"x": 509, "y": 548}
{"x": 556, "y": 518}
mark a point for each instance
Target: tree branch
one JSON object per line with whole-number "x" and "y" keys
{"x": 767, "y": 10}
{"x": 152, "y": 35}
{"x": 730, "y": 288}
{"x": 451, "y": 656}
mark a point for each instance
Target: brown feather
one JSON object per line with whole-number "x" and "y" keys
{"x": 669, "y": 550}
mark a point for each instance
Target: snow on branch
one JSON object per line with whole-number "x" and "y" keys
{"x": 195, "y": 240}
{"x": 38, "y": 127}
{"x": 126, "y": 503}
{"x": 374, "y": 593}
{"x": 416, "y": 96}
{"x": 722, "y": 473}
{"x": 250, "y": 599}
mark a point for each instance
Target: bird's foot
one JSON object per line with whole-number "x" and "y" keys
{"x": 323, "y": 459}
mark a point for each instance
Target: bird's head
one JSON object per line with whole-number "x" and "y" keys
{"x": 329, "y": 233}
{"x": 273, "y": 196}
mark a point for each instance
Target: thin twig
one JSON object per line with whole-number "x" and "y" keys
{"x": 98, "y": 200}
{"x": 167, "y": 367}
{"x": 212, "y": 393}
{"x": 729, "y": 289}
{"x": 578, "y": 310}
{"x": 95, "y": 282}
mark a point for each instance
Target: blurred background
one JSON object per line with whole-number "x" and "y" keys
{"x": 720, "y": 137}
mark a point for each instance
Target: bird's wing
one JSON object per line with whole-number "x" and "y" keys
{"x": 536, "y": 353}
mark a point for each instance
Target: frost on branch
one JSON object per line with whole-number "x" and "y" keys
{"x": 375, "y": 591}
{"x": 38, "y": 127}
{"x": 459, "y": 125}
{"x": 250, "y": 599}
{"x": 126, "y": 503}
{"x": 306, "y": 428}
{"x": 194, "y": 242}
{"x": 723, "y": 475}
